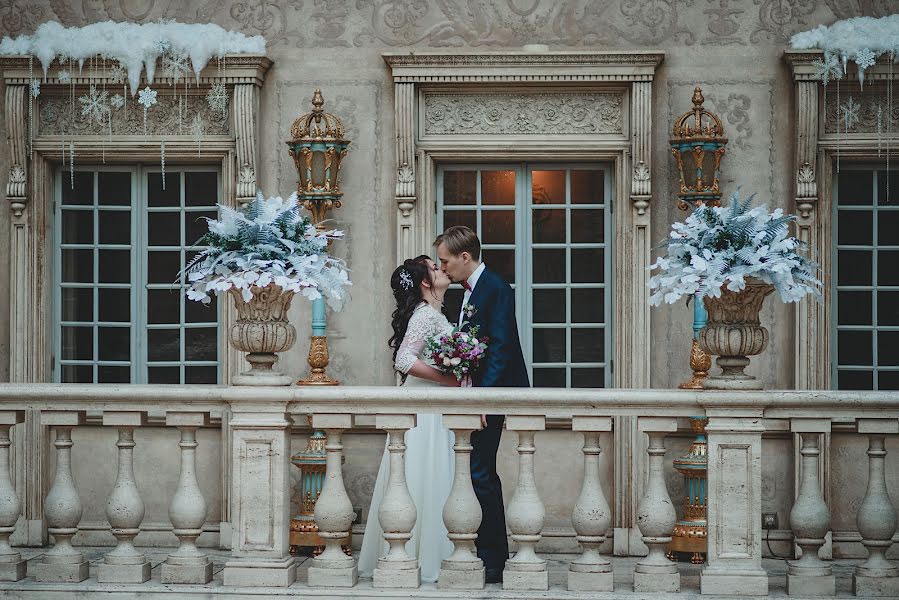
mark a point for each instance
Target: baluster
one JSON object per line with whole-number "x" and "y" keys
{"x": 397, "y": 513}
{"x": 125, "y": 509}
{"x": 12, "y": 567}
{"x": 656, "y": 515}
{"x": 526, "y": 514}
{"x": 62, "y": 508}
{"x": 462, "y": 512}
{"x": 591, "y": 517}
{"x": 876, "y": 518}
{"x": 810, "y": 518}
{"x": 333, "y": 511}
{"x": 188, "y": 508}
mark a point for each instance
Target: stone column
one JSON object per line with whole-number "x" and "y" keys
{"x": 810, "y": 517}
{"x": 735, "y": 504}
{"x": 655, "y": 514}
{"x": 876, "y": 517}
{"x": 125, "y": 509}
{"x": 188, "y": 508}
{"x": 525, "y": 515}
{"x": 333, "y": 512}
{"x": 397, "y": 513}
{"x": 62, "y": 508}
{"x": 591, "y": 517}
{"x": 12, "y": 567}
{"x": 260, "y": 494}
{"x": 462, "y": 513}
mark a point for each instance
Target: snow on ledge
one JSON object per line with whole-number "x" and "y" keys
{"x": 135, "y": 46}
{"x": 860, "y": 39}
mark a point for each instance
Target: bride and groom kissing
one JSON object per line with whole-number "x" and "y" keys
{"x": 419, "y": 285}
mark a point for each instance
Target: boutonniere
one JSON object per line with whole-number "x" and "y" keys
{"x": 469, "y": 310}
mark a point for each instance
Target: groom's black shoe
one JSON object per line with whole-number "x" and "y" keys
{"x": 493, "y": 576}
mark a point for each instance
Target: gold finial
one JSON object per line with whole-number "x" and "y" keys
{"x": 698, "y": 99}
{"x": 318, "y": 101}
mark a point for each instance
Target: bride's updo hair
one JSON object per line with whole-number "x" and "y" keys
{"x": 405, "y": 283}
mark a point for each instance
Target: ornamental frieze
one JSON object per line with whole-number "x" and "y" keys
{"x": 864, "y": 112}
{"x": 534, "y": 114}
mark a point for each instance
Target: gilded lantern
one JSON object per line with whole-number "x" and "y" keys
{"x": 318, "y": 147}
{"x": 697, "y": 142}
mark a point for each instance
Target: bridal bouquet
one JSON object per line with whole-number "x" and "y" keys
{"x": 457, "y": 352}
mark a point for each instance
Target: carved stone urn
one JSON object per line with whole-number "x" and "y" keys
{"x": 734, "y": 333}
{"x": 262, "y": 330}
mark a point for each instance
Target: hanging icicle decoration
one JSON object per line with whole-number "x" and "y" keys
{"x": 879, "y": 126}
{"x": 72, "y": 164}
{"x": 839, "y": 140}
{"x": 198, "y": 130}
{"x": 146, "y": 98}
{"x": 162, "y": 161}
{"x": 30, "y": 107}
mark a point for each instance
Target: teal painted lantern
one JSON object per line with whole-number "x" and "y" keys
{"x": 697, "y": 143}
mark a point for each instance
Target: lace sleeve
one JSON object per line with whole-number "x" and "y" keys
{"x": 421, "y": 327}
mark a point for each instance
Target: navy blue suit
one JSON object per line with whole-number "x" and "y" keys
{"x": 503, "y": 366}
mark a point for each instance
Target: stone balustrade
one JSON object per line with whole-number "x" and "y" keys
{"x": 259, "y": 423}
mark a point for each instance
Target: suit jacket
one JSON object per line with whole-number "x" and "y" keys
{"x": 503, "y": 365}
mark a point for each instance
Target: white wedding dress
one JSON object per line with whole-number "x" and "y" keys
{"x": 429, "y": 464}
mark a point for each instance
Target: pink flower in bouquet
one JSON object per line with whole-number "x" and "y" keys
{"x": 457, "y": 352}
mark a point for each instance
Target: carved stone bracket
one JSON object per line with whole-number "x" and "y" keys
{"x": 16, "y": 127}
{"x": 806, "y": 190}
{"x": 244, "y": 119}
{"x": 640, "y": 188}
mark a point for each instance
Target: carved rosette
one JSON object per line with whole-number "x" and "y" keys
{"x": 734, "y": 332}
{"x": 262, "y": 330}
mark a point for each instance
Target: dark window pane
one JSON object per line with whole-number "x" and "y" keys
{"x": 498, "y": 187}
{"x": 77, "y": 374}
{"x": 115, "y": 227}
{"x": 77, "y": 304}
{"x": 887, "y": 380}
{"x": 164, "y": 374}
{"x": 195, "y": 225}
{"x": 548, "y": 187}
{"x": 498, "y": 227}
{"x": 163, "y": 306}
{"x": 855, "y": 187}
{"x": 110, "y": 374}
{"x": 549, "y": 306}
{"x": 451, "y": 218}
{"x": 888, "y": 188}
{"x": 164, "y": 228}
{"x": 197, "y": 312}
{"x": 588, "y": 306}
{"x": 78, "y": 227}
{"x": 855, "y": 227}
{"x": 78, "y": 266}
{"x": 587, "y": 226}
{"x": 549, "y": 345}
{"x": 115, "y": 304}
{"x": 502, "y": 262}
{"x": 548, "y": 226}
{"x": 587, "y": 345}
{"x": 587, "y": 187}
{"x": 201, "y": 343}
{"x": 549, "y": 266}
{"x": 854, "y": 267}
{"x": 77, "y": 343}
{"x": 201, "y": 375}
{"x": 170, "y": 196}
{"x": 452, "y": 303}
{"x": 163, "y": 267}
{"x": 200, "y": 188}
{"x": 549, "y": 377}
{"x": 888, "y": 267}
{"x": 887, "y": 308}
{"x": 888, "y": 227}
{"x": 114, "y": 189}
{"x": 114, "y": 343}
{"x": 855, "y": 380}
{"x": 114, "y": 266}
{"x": 854, "y": 308}
{"x": 888, "y": 348}
{"x": 588, "y": 378}
{"x": 459, "y": 187}
{"x": 854, "y": 348}
{"x": 163, "y": 344}
{"x": 588, "y": 265}
{"x": 83, "y": 191}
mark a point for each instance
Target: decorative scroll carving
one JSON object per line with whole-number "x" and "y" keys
{"x": 869, "y": 106}
{"x": 640, "y": 188}
{"x": 245, "y": 139}
{"x": 535, "y": 114}
{"x": 16, "y": 124}
{"x": 806, "y": 189}
{"x": 56, "y": 117}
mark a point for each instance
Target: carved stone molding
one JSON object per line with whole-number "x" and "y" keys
{"x": 16, "y": 131}
{"x": 523, "y": 113}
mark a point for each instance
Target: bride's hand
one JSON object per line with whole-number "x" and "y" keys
{"x": 450, "y": 380}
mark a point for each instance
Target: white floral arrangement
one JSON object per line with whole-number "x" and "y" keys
{"x": 719, "y": 246}
{"x": 268, "y": 242}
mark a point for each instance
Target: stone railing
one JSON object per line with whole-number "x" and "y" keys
{"x": 259, "y": 426}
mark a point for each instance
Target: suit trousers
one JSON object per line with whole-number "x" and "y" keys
{"x": 492, "y": 544}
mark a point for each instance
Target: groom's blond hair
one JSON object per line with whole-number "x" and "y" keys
{"x": 459, "y": 239}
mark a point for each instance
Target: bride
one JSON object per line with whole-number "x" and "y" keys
{"x": 418, "y": 286}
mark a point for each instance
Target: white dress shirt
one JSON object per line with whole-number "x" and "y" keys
{"x": 472, "y": 281}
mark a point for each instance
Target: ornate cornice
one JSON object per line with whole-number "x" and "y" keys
{"x": 802, "y": 66}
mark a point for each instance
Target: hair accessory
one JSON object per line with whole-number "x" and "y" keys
{"x": 406, "y": 280}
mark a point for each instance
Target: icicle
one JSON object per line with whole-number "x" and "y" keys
{"x": 72, "y": 164}
{"x": 162, "y": 161}
{"x": 879, "y": 125}
{"x": 838, "y": 124}
{"x": 30, "y": 107}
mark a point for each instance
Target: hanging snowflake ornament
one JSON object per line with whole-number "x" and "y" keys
{"x": 827, "y": 69}
{"x": 146, "y": 98}
{"x": 850, "y": 113}
{"x": 864, "y": 59}
{"x": 217, "y": 99}
{"x": 174, "y": 65}
{"x": 94, "y": 105}
{"x": 198, "y": 130}
{"x": 162, "y": 45}
{"x": 117, "y": 74}
{"x": 64, "y": 77}
{"x": 117, "y": 101}
{"x": 35, "y": 88}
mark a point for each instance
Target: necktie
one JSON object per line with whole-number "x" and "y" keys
{"x": 466, "y": 285}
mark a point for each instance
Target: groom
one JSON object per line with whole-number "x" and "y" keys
{"x": 459, "y": 251}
